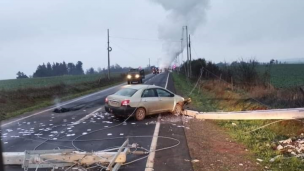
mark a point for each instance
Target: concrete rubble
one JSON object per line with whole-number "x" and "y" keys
{"x": 292, "y": 146}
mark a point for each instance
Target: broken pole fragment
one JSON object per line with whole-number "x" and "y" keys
{"x": 66, "y": 158}
{"x": 292, "y": 113}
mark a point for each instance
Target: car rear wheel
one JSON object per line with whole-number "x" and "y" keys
{"x": 140, "y": 114}
{"x": 177, "y": 110}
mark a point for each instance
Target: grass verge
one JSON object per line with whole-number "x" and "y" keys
{"x": 13, "y": 109}
{"x": 212, "y": 96}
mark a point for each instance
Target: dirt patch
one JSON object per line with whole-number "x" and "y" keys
{"x": 215, "y": 150}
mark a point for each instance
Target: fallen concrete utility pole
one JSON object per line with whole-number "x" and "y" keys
{"x": 66, "y": 158}
{"x": 292, "y": 113}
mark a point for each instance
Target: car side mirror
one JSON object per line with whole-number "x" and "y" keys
{"x": 172, "y": 95}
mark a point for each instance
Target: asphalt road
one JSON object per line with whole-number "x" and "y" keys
{"x": 45, "y": 130}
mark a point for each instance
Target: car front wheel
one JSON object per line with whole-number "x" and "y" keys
{"x": 177, "y": 110}
{"x": 140, "y": 114}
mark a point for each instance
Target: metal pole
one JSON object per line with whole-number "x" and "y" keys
{"x": 149, "y": 64}
{"x": 182, "y": 54}
{"x": 109, "y": 50}
{"x": 190, "y": 69}
{"x": 188, "y": 72}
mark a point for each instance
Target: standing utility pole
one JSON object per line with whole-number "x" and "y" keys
{"x": 109, "y": 50}
{"x": 149, "y": 64}
{"x": 181, "y": 52}
{"x": 190, "y": 69}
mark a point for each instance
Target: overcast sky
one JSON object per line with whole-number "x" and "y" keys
{"x": 33, "y": 32}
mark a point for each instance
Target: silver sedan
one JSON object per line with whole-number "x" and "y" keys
{"x": 143, "y": 100}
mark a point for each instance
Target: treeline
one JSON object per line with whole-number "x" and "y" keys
{"x": 113, "y": 68}
{"x": 58, "y": 69}
{"x": 240, "y": 72}
{"x": 201, "y": 67}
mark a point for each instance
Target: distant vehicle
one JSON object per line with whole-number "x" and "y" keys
{"x": 155, "y": 70}
{"x": 143, "y": 100}
{"x": 135, "y": 75}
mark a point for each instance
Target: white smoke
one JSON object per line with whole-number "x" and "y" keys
{"x": 181, "y": 13}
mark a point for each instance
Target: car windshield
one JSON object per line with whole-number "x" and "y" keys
{"x": 127, "y": 92}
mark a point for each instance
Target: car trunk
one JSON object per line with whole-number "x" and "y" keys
{"x": 116, "y": 100}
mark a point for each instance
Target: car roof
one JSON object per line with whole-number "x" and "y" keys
{"x": 141, "y": 86}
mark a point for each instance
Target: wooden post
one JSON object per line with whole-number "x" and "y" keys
{"x": 232, "y": 83}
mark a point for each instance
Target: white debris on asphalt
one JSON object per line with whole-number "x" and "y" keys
{"x": 70, "y": 135}
{"x": 150, "y": 123}
{"x": 9, "y": 130}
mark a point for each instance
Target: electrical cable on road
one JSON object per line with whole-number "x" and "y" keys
{"x": 90, "y": 140}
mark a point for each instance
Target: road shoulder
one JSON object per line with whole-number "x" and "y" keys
{"x": 173, "y": 158}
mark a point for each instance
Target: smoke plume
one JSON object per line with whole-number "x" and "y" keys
{"x": 181, "y": 13}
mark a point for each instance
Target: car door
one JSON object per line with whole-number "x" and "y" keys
{"x": 166, "y": 100}
{"x": 150, "y": 101}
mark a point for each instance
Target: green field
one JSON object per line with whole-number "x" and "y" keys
{"x": 49, "y": 81}
{"x": 285, "y": 75}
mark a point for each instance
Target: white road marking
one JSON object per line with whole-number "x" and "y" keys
{"x": 150, "y": 160}
{"x": 167, "y": 81}
{"x": 62, "y": 105}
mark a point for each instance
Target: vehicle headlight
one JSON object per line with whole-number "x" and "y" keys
{"x": 129, "y": 76}
{"x": 137, "y": 76}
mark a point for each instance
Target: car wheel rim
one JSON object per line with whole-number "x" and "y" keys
{"x": 140, "y": 114}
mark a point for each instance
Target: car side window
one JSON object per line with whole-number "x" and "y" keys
{"x": 149, "y": 93}
{"x": 163, "y": 93}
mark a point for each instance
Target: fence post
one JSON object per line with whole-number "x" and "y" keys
{"x": 232, "y": 83}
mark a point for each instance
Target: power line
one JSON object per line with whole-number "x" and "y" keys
{"x": 143, "y": 39}
{"x": 124, "y": 49}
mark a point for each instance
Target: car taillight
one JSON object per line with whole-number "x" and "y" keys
{"x": 106, "y": 100}
{"x": 125, "y": 102}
